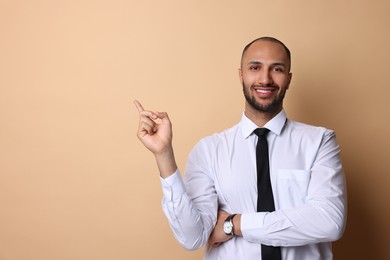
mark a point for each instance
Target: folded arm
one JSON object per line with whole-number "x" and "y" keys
{"x": 320, "y": 218}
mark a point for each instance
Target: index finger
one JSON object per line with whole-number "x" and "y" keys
{"x": 138, "y": 106}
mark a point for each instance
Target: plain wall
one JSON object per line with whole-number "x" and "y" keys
{"x": 75, "y": 182}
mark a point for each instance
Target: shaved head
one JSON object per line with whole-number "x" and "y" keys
{"x": 269, "y": 39}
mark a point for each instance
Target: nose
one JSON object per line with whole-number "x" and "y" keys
{"x": 264, "y": 77}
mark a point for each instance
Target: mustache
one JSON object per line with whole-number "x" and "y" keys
{"x": 268, "y": 85}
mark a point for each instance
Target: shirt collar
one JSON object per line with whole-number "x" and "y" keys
{"x": 275, "y": 125}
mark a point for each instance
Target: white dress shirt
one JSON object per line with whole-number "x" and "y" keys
{"x": 307, "y": 182}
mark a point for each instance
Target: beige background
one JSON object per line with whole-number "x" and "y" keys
{"x": 75, "y": 183}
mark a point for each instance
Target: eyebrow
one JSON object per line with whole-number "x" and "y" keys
{"x": 273, "y": 64}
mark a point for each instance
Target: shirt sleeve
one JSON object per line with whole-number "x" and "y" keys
{"x": 190, "y": 203}
{"x": 320, "y": 218}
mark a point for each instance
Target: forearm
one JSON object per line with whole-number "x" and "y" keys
{"x": 293, "y": 227}
{"x": 307, "y": 224}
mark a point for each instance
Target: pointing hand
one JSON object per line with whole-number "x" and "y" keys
{"x": 154, "y": 130}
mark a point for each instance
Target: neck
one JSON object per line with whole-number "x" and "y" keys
{"x": 260, "y": 118}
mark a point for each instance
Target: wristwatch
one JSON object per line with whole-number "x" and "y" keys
{"x": 228, "y": 225}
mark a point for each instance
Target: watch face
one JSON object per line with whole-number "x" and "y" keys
{"x": 227, "y": 227}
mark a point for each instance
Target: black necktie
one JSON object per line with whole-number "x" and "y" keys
{"x": 265, "y": 199}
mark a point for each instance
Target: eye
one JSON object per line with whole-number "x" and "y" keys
{"x": 255, "y": 67}
{"x": 278, "y": 69}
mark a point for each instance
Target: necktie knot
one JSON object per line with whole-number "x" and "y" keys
{"x": 261, "y": 132}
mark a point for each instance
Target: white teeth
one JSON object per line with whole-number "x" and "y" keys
{"x": 263, "y": 91}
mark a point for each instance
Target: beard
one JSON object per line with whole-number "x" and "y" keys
{"x": 273, "y": 107}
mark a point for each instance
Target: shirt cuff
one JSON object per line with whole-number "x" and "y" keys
{"x": 252, "y": 226}
{"x": 173, "y": 186}
{"x": 262, "y": 227}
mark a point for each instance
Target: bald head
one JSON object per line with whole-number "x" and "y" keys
{"x": 269, "y": 39}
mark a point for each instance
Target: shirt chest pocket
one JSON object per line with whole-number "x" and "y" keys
{"x": 292, "y": 186}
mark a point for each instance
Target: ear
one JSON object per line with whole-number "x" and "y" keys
{"x": 289, "y": 80}
{"x": 240, "y": 74}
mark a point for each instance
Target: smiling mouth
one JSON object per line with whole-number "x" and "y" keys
{"x": 265, "y": 91}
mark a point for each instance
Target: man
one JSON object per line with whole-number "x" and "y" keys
{"x": 219, "y": 202}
